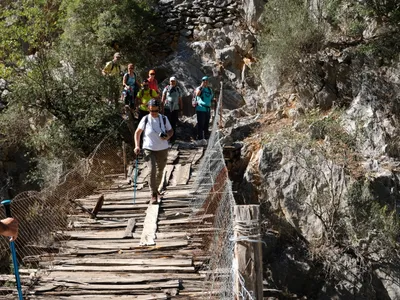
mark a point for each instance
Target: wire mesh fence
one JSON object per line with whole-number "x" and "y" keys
{"x": 214, "y": 196}
{"x": 43, "y": 215}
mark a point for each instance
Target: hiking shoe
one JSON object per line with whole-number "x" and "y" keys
{"x": 204, "y": 142}
{"x": 153, "y": 199}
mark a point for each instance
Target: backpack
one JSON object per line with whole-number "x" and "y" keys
{"x": 119, "y": 68}
{"x": 141, "y": 93}
{"x": 136, "y": 87}
{"x": 195, "y": 97}
{"x": 169, "y": 88}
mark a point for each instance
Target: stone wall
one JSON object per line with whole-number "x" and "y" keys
{"x": 184, "y": 16}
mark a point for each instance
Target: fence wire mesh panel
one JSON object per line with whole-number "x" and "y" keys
{"x": 43, "y": 215}
{"x": 213, "y": 196}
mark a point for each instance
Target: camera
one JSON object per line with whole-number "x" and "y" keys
{"x": 163, "y": 135}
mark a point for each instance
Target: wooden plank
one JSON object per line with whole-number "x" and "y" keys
{"x": 198, "y": 155}
{"x": 143, "y": 176}
{"x": 135, "y": 268}
{"x": 167, "y": 175}
{"x": 150, "y": 226}
{"x": 114, "y": 277}
{"x": 93, "y": 261}
{"x": 184, "y": 174}
{"x": 114, "y": 234}
{"x": 133, "y": 287}
{"x": 172, "y": 156}
{"x": 129, "y": 228}
{"x": 97, "y": 207}
{"x": 124, "y": 246}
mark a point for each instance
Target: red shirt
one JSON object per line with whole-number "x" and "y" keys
{"x": 153, "y": 84}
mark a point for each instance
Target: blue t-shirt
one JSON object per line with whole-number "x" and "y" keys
{"x": 131, "y": 82}
{"x": 205, "y": 99}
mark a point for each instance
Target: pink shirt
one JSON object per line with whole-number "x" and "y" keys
{"x": 153, "y": 84}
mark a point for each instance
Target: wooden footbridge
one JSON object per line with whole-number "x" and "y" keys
{"x": 128, "y": 250}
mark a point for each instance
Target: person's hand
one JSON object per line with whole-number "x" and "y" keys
{"x": 10, "y": 228}
{"x": 137, "y": 150}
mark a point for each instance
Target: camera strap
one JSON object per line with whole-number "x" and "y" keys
{"x": 159, "y": 122}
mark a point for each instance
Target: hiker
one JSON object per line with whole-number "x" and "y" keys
{"x": 171, "y": 104}
{"x": 130, "y": 85}
{"x": 204, "y": 98}
{"x": 156, "y": 132}
{"x": 153, "y": 83}
{"x": 9, "y": 228}
{"x": 112, "y": 71}
{"x": 113, "y": 67}
{"x": 144, "y": 96}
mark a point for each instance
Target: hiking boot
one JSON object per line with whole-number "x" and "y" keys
{"x": 153, "y": 199}
{"x": 204, "y": 142}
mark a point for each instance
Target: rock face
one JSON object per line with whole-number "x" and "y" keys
{"x": 302, "y": 191}
{"x": 213, "y": 38}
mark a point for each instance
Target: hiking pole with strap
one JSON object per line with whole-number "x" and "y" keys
{"x": 7, "y": 208}
{"x": 135, "y": 178}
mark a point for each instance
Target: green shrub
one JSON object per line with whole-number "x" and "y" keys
{"x": 373, "y": 228}
{"x": 288, "y": 33}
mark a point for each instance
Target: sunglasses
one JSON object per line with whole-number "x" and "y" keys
{"x": 145, "y": 84}
{"x": 204, "y": 80}
{"x": 152, "y": 74}
{"x": 153, "y": 110}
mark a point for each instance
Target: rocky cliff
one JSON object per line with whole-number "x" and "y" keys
{"x": 326, "y": 172}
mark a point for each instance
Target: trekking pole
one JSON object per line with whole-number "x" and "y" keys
{"x": 135, "y": 178}
{"x": 7, "y": 208}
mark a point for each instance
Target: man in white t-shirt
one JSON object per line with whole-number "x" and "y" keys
{"x": 156, "y": 132}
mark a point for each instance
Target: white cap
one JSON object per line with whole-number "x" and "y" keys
{"x": 172, "y": 78}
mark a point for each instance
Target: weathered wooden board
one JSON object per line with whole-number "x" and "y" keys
{"x": 134, "y": 268}
{"x": 167, "y": 175}
{"x": 172, "y": 156}
{"x": 115, "y": 262}
{"x": 124, "y": 246}
{"x": 114, "y": 234}
{"x": 181, "y": 174}
{"x": 150, "y": 226}
{"x": 143, "y": 175}
{"x": 129, "y": 228}
{"x": 116, "y": 277}
{"x": 198, "y": 155}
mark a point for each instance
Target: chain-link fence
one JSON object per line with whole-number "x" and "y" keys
{"x": 214, "y": 196}
{"x": 44, "y": 214}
